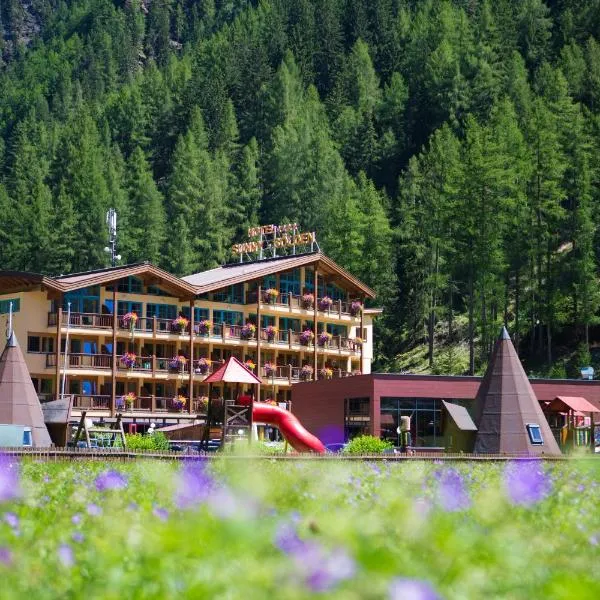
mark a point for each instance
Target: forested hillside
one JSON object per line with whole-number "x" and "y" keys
{"x": 447, "y": 152}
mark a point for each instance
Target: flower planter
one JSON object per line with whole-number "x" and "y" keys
{"x": 355, "y": 308}
{"x": 308, "y": 301}
{"x": 325, "y": 303}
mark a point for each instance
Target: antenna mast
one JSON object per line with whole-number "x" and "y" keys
{"x": 111, "y": 221}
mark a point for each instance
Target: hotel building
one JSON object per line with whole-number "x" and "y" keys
{"x": 169, "y": 333}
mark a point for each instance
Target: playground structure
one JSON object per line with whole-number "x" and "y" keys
{"x": 240, "y": 414}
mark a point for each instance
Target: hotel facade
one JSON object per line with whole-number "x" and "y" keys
{"x": 139, "y": 341}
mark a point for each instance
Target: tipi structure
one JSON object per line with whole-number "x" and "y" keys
{"x": 509, "y": 418}
{"x": 19, "y": 403}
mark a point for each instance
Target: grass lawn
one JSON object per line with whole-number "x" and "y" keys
{"x": 258, "y": 530}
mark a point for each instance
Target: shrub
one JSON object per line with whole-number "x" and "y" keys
{"x": 367, "y": 444}
{"x": 153, "y": 441}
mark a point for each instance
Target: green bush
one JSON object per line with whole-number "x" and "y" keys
{"x": 154, "y": 441}
{"x": 367, "y": 444}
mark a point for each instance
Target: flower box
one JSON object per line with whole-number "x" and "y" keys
{"x": 306, "y": 373}
{"x": 248, "y": 331}
{"x": 269, "y": 369}
{"x": 177, "y": 363}
{"x": 179, "y": 325}
{"x": 270, "y": 295}
{"x": 202, "y": 366}
{"x": 204, "y": 327}
{"x": 306, "y": 337}
{"x": 324, "y": 338}
{"x": 270, "y": 333}
{"x": 128, "y": 360}
{"x": 326, "y": 373}
{"x": 250, "y": 365}
{"x": 308, "y": 301}
{"x": 325, "y": 303}
{"x": 129, "y": 320}
{"x": 179, "y": 403}
{"x": 355, "y": 308}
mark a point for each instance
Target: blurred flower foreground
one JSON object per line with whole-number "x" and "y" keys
{"x": 251, "y": 529}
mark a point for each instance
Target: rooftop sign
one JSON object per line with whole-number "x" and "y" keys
{"x": 267, "y": 241}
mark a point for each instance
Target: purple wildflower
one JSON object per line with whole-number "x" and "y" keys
{"x": 11, "y": 520}
{"x": 287, "y": 539}
{"x": 451, "y": 491}
{"x": 9, "y": 479}
{"x": 411, "y": 589}
{"x": 77, "y": 537}
{"x": 93, "y": 509}
{"x": 46, "y": 479}
{"x": 325, "y": 571}
{"x": 320, "y": 570}
{"x": 594, "y": 539}
{"x": 132, "y": 506}
{"x": 160, "y": 513}
{"x": 111, "y": 480}
{"x": 194, "y": 485}
{"x": 526, "y": 482}
{"x": 65, "y": 555}
{"x": 5, "y": 556}
{"x": 76, "y": 519}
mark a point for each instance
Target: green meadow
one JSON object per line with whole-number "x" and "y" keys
{"x": 235, "y": 528}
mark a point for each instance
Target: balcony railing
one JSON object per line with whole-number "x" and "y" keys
{"x": 92, "y": 402}
{"x": 292, "y": 373}
{"x": 82, "y": 361}
{"x": 295, "y": 301}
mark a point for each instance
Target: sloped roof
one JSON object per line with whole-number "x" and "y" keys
{"x": 506, "y": 404}
{"x": 19, "y": 403}
{"x": 78, "y": 280}
{"x": 460, "y": 415}
{"x": 231, "y": 274}
{"x": 189, "y": 286}
{"x": 576, "y": 403}
{"x": 233, "y": 371}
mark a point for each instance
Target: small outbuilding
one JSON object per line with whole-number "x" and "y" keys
{"x": 509, "y": 417}
{"x": 19, "y": 402}
{"x": 459, "y": 428}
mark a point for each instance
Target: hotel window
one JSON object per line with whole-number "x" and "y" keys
{"x": 535, "y": 434}
{"x": 289, "y": 283}
{"x": 336, "y": 293}
{"x": 85, "y": 300}
{"x": 154, "y": 290}
{"x": 233, "y": 294}
{"x": 265, "y": 320}
{"x": 40, "y": 344}
{"x": 125, "y": 306}
{"x": 161, "y": 311}
{"x": 337, "y": 330}
{"x": 270, "y": 281}
{"x": 5, "y": 305}
{"x": 229, "y": 317}
{"x": 200, "y": 314}
{"x": 128, "y": 285}
{"x": 425, "y": 422}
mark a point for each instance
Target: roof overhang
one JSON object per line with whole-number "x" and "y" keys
{"x": 326, "y": 266}
{"x": 13, "y": 281}
{"x": 576, "y": 403}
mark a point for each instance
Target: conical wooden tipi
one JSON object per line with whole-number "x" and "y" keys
{"x": 506, "y": 405}
{"x": 19, "y": 403}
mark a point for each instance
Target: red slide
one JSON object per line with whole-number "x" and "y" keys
{"x": 299, "y": 438}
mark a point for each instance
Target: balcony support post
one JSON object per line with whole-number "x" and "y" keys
{"x": 191, "y": 362}
{"x": 362, "y": 346}
{"x": 113, "y": 393}
{"x": 58, "y": 341}
{"x": 316, "y": 313}
{"x": 258, "y": 334}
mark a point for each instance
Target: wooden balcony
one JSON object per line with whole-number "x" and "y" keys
{"x": 338, "y": 309}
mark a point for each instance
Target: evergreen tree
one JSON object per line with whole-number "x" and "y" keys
{"x": 146, "y": 202}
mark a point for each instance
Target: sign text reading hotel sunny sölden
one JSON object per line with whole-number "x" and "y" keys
{"x": 274, "y": 236}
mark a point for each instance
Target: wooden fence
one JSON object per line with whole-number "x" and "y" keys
{"x": 56, "y": 454}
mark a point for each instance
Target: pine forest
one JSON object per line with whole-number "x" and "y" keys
{"x": 447, "y": 152}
